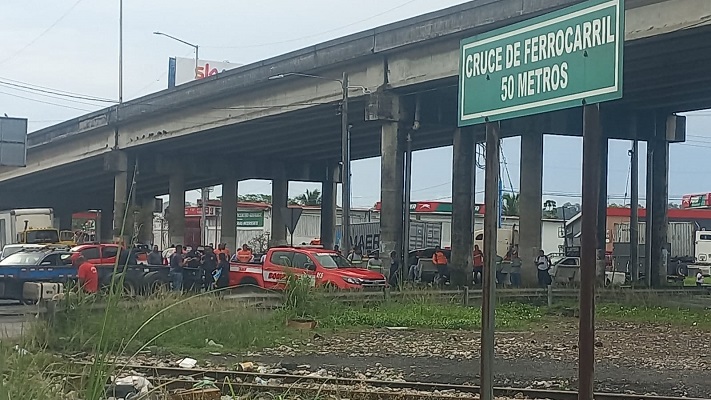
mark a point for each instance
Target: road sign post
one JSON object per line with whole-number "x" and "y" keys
{"x": 568, "y": 58}
{"x": 291, "y": 217}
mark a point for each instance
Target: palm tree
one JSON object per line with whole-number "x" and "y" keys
{"x": 510, "y": 204}
{"x": 310, "y": 198}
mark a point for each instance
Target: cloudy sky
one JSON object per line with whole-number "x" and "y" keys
{"x": 72, "y": 46}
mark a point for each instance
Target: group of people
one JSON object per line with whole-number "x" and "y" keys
{"x": 213, "y": 267}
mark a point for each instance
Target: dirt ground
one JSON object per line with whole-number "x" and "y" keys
{"x": 639, "y": 358}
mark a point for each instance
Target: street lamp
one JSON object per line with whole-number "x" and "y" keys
{"x": 204, "y": 192}
{"x": 345, "y": 151}
{"x": 194, "y": 46}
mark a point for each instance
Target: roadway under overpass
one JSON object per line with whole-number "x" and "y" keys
{"x": 241, "y": 125}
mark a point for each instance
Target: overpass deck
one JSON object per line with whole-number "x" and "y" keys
{"x": 254, "y": 121}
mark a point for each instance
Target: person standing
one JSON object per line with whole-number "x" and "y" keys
{"x": 244, "y": 254}
{"x": 355, "y": 256}
{"x": 439, "y": 259}
{"x": 478, "y": 261}
{"x": 177, "y": 263}
{"x": 222, "y": 273}
{"x": 88, "y": 276}
{"x": 699, "y": 279}
{"x": 543, "y": 265}
{"x": 155, "y": 257}
{"x": 375, "y": 263}
{"x": 393, "y": 279}
{"x": 209, "y": 264}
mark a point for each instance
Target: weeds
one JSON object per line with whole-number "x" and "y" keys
{"x": 677, "y": 316}
{"x": 22, "y": 375}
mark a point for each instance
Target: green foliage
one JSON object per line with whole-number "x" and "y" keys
{"x": 426, "y": 314}
{"x": 255, "y": 198}
{"x": 678, "y": 316}
{"x": 509, "y": 205}
{"x": 310, "y": 198}
{"x": 299, "y": 296}
{"x": 22, "y": 375}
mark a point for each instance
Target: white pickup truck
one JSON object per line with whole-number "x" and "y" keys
{"x": 566, "y": 270}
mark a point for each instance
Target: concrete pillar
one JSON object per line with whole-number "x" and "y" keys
{"x": 64, "y": 216}
{"x": 602, "y": 201}
{"x": 145, "y": 232}
{"x": 280, "y": 197}
{"x": 463, "y": 184}
{"x": 116, "y": 162}
{"x": 391, "y": 189}
{"x": 228, "y": 219}
{"x": 531, "y": 205}
{"x": 660, "y": 202}
{"x": 105, "y": 227}
{"x": 176, "y": 207}
{"x": 328, "y": 210}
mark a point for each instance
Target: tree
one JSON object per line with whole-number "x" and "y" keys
{"x": 510, "y": 204}
{"x": 550, "y": 209}
{"x": 310, "y": 198}
{"x": 255, "y": 198}
{"x": 259, "y": 244}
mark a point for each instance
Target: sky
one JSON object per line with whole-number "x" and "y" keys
{"x": 72, "y": 46}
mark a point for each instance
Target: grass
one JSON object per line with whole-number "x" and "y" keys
{"x": 691, "y": 281}
{"x": 22, "y": 375}
{"x": 676, "y": 316}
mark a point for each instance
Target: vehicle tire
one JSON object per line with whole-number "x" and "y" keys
{"x": 154, "y": 284}
{"x": 248, "y": 285}
{"x": 682, "y": 270}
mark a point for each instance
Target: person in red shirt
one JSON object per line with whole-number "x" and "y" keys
{"x": 478, "y": 258}
{"x": 88, "y": 276}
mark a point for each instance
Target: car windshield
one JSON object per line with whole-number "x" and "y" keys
{"x": 10, "y": 250}
{"x": 332, "y": 260}
{"x": 22, "y": 258}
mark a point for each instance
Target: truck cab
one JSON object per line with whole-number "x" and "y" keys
{"x": 325, "y": 268}
{"x": 566, "y": 270}
{"x": 104, "y": 253}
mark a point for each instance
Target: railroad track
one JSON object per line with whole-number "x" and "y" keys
{"x": 310, "y": 385}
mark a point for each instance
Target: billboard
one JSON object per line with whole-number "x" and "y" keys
{"x": 182, "y": 70}
{"x": 13, "y": 142}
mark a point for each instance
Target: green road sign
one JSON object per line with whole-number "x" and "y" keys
{"x": 555, "y": 61}
{"x": 250, "y": 219}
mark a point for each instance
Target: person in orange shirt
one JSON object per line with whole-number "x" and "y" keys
{"x": 244, "y": 254}
{"x": 88, "y": 276}
{"x": 440, "y": 262}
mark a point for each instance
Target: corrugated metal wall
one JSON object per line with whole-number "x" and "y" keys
{"x": 680, "y": 235}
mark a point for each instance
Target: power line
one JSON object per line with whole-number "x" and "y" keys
{"x": 315, "y": 34}
{"x": 25, "y": 47}
{"x": 26, "y": 88}
{"x": 44, "y": 102}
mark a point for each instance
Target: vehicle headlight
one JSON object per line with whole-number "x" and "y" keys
{"x": 354, "y": 281}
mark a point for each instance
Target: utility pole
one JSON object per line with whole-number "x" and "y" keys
{"x": 120, "y": 72}
{"x": 346, "y": 170}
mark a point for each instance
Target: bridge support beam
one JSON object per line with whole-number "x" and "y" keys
{"x": 280, "y": 197}
{"x": 228, "y": 219}
{"x": 328, "y": 209}
{"x": 117, "y": 163}
{"x": 176, "y": 207}
{"x": 391, "y": 190}
{"x": 658, "y": 200}
{"x": 463, "y": 184}
{"x": 530, "y": 205}
{"x": 145, "y": 231}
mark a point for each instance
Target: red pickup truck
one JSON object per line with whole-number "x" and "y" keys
{"x": 325, "y": 268}
{"x": 104, "y": 253}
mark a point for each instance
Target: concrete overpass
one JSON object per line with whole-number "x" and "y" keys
{"x": 240, "y": 125}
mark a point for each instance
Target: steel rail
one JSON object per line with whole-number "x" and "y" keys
{"x": 175, "y": 377}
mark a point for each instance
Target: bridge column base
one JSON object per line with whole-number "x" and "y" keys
{"x": 463, "y": 183}
{"x": 531, "y": 206}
